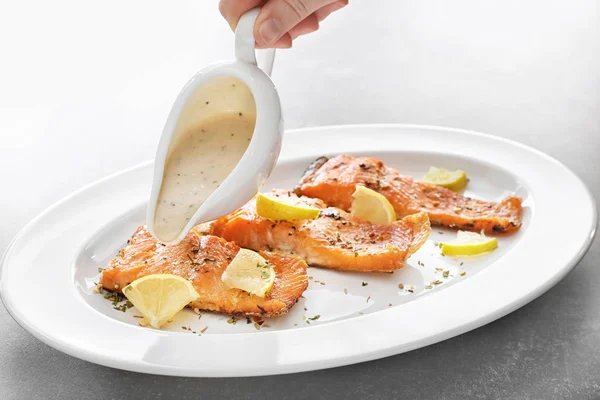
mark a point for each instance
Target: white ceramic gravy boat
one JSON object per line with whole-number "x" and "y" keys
{"x": 258, "y": 95}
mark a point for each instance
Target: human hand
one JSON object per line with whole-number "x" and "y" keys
{"x": 280, "y": 21}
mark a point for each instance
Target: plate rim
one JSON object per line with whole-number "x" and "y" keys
{"x": 386, "y": 351}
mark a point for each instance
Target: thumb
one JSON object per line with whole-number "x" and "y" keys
{"x": 277, "y": 17}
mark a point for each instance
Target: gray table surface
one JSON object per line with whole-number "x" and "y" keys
{"x": 528, "y": 71}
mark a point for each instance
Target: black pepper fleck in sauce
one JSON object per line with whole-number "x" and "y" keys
{"x": 192, "y": 172}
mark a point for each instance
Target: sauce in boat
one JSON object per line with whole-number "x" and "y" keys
{"x": 201, "y": 156}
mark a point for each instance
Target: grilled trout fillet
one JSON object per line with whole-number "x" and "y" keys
{"x": 334, "y": 181}
{"x": 333, "y": 240}
{"x": 202, "y": 260}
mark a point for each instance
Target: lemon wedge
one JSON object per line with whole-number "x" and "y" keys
{"x": 203, "y": 229}
{"x": 469, "y": 244}
{"x": 159, "y": 297}
{"x": 284, "y": 209}
{"x": 249, "y": 272}
{"x": 453, "y": 180}
{"x": 371, "y": 206}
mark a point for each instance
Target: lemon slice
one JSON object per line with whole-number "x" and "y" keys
{"x": 249, "y": 272}
{"x": 469, "y": 244}
{"x": 453, "y": 180}
{"x": 371, "y": 206}
{"x": 203, "y": 229}
{"x": 284, "y": 209}
{"x": 159, "y": 297}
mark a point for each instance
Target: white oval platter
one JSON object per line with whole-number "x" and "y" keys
{"x": 361, "y": 316}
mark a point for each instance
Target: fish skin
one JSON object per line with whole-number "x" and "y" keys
{"x": 334, "y": 240}
{"x": 334, "y": 181}
{"x": 202, "y": 260}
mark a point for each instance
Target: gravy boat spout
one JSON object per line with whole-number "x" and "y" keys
{"x": 237, "y": 88}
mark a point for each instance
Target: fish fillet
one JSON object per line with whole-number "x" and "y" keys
{"x": 202, "y": 260}
{"x": 334, "y": 181}
{"x": 333, "y": 240}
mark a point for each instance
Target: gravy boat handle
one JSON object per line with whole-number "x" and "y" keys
{"x": 245, "y": 49}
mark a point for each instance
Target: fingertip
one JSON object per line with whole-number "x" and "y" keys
{"x": 306, "y": 26}
{"x": 285, "y": 42}
{"x": 225, "y": 10}
{"x": 269, "y": 31}
{"x": 325, "y": 11}
{"x": 278, "y": 17}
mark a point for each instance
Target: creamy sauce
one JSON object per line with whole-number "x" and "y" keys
{"x": 196, "y": 165}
